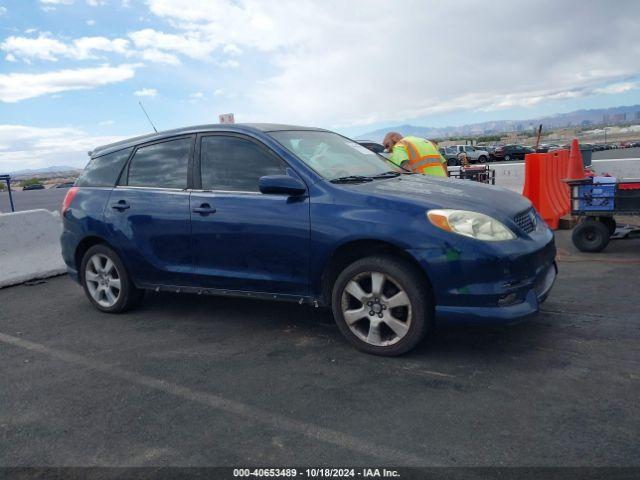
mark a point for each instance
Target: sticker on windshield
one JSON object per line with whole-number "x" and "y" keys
{"x": 360, "y": 148}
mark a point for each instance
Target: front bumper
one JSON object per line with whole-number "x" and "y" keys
{"x": 501, "y": 314}
{"x": 491, "y": 284}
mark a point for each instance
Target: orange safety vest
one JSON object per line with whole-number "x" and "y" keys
{"x": 428, "y": 162}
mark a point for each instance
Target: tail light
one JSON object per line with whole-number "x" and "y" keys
{"x": 68, "y": 198}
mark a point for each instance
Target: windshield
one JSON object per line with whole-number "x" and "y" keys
{"x": 334, "y": 156}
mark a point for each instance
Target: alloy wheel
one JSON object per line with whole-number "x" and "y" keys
{"x": 103, "y": 280}
{"x": 376, "y": 308}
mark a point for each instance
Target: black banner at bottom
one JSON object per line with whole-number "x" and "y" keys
{"x": 224, "y": 473}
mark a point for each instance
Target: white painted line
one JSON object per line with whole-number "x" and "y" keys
{"x": 217, "y": 402}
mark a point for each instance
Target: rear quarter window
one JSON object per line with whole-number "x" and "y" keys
{"x": 161, "y": 165}
{"x": 104, "y": 171}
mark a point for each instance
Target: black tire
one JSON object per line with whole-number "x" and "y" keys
{"x": 398, "y": 273}
{"x": 482, "y": 159}
{"x": 129, "y": 295}
{"x": 590, "y": 236}
{"x": 610, "y": 222}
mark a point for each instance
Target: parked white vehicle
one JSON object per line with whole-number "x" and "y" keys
{"x": 473, "y": 154}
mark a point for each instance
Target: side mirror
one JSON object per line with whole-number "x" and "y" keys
{"x": 281, "y": 184}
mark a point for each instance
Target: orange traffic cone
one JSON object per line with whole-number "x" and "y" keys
{"x": 575, "y": 169}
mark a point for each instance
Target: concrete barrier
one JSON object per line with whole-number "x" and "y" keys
{"x": 29, "y": 246}
{"x": 511, "y": 175}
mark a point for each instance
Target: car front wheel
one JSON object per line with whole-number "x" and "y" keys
{"x": 507, "y": 158}
{"x": 382, "y": 305}
{"x": 106, "y": 281}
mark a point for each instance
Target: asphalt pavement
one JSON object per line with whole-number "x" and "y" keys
{"x": 49, "y": 199}
{"x": 617, "y": 153}
{"x": 192, "y": 380}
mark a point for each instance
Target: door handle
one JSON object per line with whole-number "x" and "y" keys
{"x": 204, "y": 209}
{"x": 121, "y": 206}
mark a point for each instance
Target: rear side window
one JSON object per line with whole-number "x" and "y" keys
{"x": 236, "y": 164}
{"x": 103, "y": 171}
{"x": 162, "y": 165}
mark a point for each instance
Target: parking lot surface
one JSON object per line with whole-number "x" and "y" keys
{"x": 202, "y": 381}
{"x": 49, "y": 199}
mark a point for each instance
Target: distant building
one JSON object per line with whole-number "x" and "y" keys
{"x": 637, "y": 115}
{"x": 619, "y": 117}
{"x": 605, "y": 119}
{"x": 586, "y": 123}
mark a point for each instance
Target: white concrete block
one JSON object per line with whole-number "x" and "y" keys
{"x": 30, "y": 246}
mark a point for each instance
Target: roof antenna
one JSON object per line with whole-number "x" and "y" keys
{"x": 147, "y": 115}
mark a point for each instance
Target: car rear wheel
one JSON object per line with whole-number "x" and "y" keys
{"x": 106, "y": 281}
{"x": 382, "y": 305}
{"x": 507, "y": 158}
{"x": 482, "y": 159}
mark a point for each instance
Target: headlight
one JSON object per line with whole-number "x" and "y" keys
{"x": 470, "y": 224}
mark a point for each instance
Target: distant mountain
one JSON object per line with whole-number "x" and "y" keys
{"x": 53, "y": 169}
{"x": 598, "y": 116}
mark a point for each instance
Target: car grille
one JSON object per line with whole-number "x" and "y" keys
{"x": 526, "y": 220}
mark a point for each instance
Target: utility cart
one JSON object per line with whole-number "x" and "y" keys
{"x": 477, "y": 173}
{"x": 597, "y": 201}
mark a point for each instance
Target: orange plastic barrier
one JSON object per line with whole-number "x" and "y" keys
{"x": 543, "y": 185}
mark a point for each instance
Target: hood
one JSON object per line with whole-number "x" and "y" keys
{"x": 434, "y": 192}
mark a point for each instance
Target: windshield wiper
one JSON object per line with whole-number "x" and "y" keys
{"x": 389, "y": 174}
{"x": 351, "y": 179}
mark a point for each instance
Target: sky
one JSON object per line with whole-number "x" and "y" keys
{"x": 73, "y": 71}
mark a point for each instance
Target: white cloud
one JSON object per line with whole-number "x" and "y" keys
{"x": 45, "y": 47}
{"x": 363, "y": 66}
{"x": 90, "y": 23}
{"x": 20, "y": 86}
{"x": 197, "y": 95}
{"x": 188, "y": 44}
{"x": 230, "y": 63}
{"x": 146, "y": 92}
{"x": 96, "y": 3}
{"x": 218, "y": 92}
{"x": 616, "y": 88}
{"x": 3, "y": 10}
{"x": 32, "y": 147}
{"x": 10, "y": 57}
{"x": 107, "y": 123}
{"x": 231, "y": 49}
{"x": 56, "y": 2}
{"x": 157, "y": 56}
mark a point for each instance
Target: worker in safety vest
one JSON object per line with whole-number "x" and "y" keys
{"x": 415, "y": 154}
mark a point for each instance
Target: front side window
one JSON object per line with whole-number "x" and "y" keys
{"x": 235, "y": 164}
{"x": 104, "y": 171}
{"x": 162, "y": 165}
{"x": 333, "y": 156}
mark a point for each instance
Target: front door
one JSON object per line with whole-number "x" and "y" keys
{"x": 242, "y": 239}
{"x": 149, "y": 214}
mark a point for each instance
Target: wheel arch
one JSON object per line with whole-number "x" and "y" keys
{"x": 85, "y": 244}
{"x": 349, "y": 252}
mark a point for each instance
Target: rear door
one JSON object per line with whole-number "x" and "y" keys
{"x": 242, "y": 239}
{"x": 148, "y": 213}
